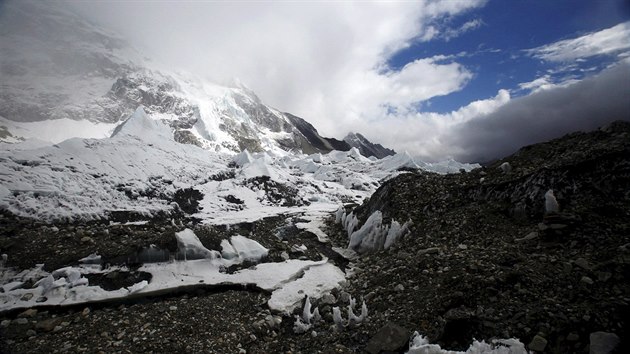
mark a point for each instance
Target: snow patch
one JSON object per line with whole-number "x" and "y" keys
{"x": 420, "y": 345}
{"x": 316, "y": 281}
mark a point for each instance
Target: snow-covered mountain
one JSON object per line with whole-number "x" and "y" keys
{"x": 141, "y": 169}
{"x": 366, "y": 147}
{"x": 63, "y": 77}
{"x": 140, "y": 134}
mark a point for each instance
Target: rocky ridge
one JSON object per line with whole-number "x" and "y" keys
{"x": 366, "y": 147}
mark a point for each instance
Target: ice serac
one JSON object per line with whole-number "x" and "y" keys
{"x": 140, "y": 125}
{"x": 366, "y": 147}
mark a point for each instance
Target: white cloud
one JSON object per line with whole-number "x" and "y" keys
{"x": 608, "y": 41}
{"x": 541, "y": 83}
{"x": 547, "y": 82}
{"x": 492, "y": 128}
{"x": 451, "y": 33}
{"x": 432, "y": 32}
{"x": 423, "y": 134}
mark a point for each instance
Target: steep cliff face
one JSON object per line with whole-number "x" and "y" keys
{"x": 311, "y": 141}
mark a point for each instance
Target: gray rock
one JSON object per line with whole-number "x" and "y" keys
{"x": 573, "y": 337}
{"x": 327, "y": 299}
{"x": 538, "y": 343}
{"x": 87, "y": 239}
{"x": 567, "y": 267}
{"x": 30, "y": 333}
{"x": 5, "y": 323}
{"x": 273, "y": 321}
{"x": 506, "y": 167}
{"x": 391, "y": 338}
{"x": 399, "y": 287}
{"x": 431, "y": 250}
{"x": 582, "y": 263}
{"x": 21, "y": 321}
{"x": 603, "y": 342}
{"x": 557, "y": 226}
{"x": 28, "y": 313}
{"x": 529, "y": 236}
{"x": 587, "y": 280}
{"x": 47, "y": 325}
{"x": 603, "y": 276}
{"x": 344, "y": 297}
{"x": 284, "y": 255}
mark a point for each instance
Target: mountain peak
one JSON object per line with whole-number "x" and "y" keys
{"x": 366, "y": 147}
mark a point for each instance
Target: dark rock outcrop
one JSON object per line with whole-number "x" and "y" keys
{"x": 516, "y": 271}
{"x": 309, "y": 139}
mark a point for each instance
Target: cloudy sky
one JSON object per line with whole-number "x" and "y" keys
{"x": 470, "y": 79}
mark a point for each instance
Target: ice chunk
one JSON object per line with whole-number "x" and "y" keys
{"x": 91, "y": 259}
{"x": 227, "y": 251}
{"x": 4, "y": 194}
{"x": 317, "y": 280}
{"x": 190, "y": 247}
{"x": 299, "y": 326}
{"x": 46, "y": 283}
{"x": 370, "y": 236}
{"x": 419, "y": 344}
{"x": 551, "y": 204}
{"x": 354, "y": 319}
{"x": 137, "y": 287}
{"x": 337, "y": 317}
{"x": 375, "y": 236}
{"x": 304, "y": 323}
{"x": 257, "y": 168}
{"x": 140, "y": 125}
{"x": 243, "y": 158}
{"x": 398, "y": 161}
{"x": 339, "y": 214}
{"x": 395, "y": 231}
{"x": 248, "y": 249}
{"x": 349, "y": 222}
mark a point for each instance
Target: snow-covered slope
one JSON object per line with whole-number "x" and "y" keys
{"x": 141, "y": 169}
